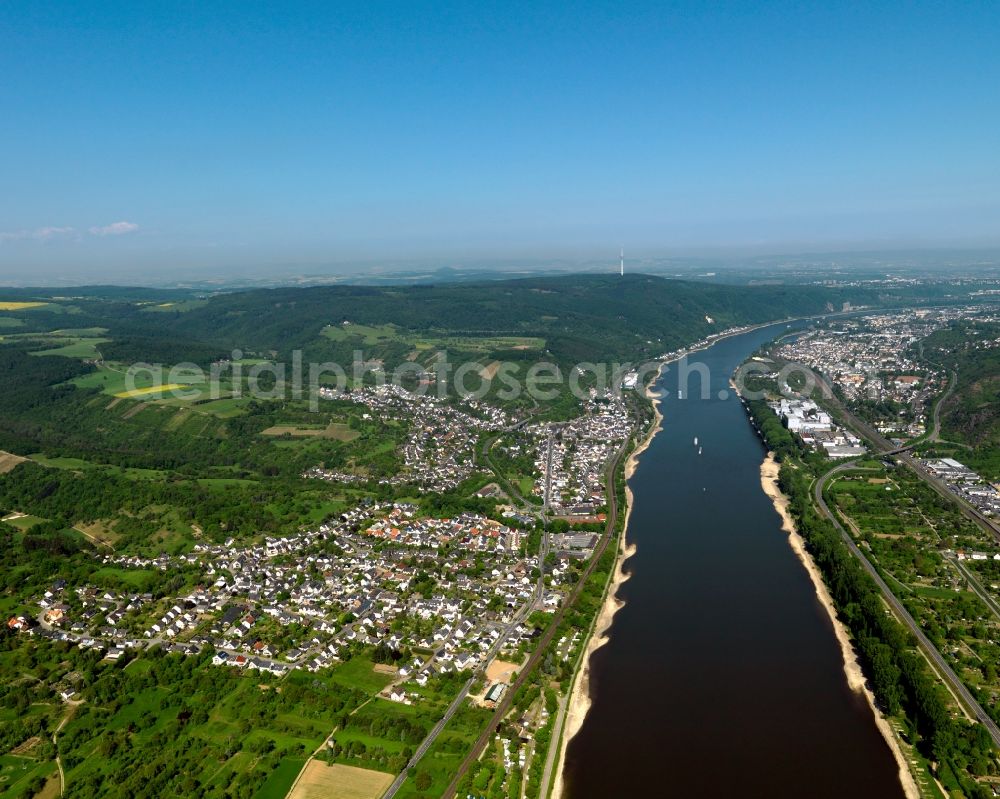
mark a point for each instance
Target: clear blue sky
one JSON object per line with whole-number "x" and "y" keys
{"x": 215, "y": 136}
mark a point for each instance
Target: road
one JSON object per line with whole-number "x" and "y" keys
{"x": 935, "y": 432}
{"x": 538, "y": 653}
{"x": 555, "y": 744}
{"x": 941, "y": 665}
{"x": 885, "y": 448}
{"x": 429, "y": 740}
{"x": 547, "y": 492}
{"x": 977, "y": 587}
{"x": 457, "y": 702}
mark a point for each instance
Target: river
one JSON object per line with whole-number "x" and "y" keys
{"x": 722, "y": 676}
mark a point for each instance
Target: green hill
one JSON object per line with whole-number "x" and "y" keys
{"x": 578, "y": 316}
{"x": 970, "y": 416}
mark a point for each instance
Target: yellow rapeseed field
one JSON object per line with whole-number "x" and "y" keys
{"x": 141, "y": 392}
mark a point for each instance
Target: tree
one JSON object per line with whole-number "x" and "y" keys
{"x": 422, "y": 780}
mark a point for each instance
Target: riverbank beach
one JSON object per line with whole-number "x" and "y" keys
{"x": 709, "y": 628}
{"x": 579, "y": 697}
{"x": 769, "y": 473}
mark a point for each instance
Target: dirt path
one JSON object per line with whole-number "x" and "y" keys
{"x": 62, "y": 775}
{"x": 8, "y": 460}
{"x": 319, "y": 749}
{"x": 93, "y": 538}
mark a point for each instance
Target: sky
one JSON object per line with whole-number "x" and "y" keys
{"x": 221, "y": 138}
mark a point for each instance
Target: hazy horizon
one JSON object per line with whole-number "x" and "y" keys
{"x": 228, "y": 141}
{"x": 720, "y": 265}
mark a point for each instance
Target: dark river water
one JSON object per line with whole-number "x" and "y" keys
{"x": 722, "y": 676}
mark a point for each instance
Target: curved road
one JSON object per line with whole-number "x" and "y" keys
{"x": 882, "y": 447}
{"x": 935, "y": 433}
{"x": 956, "y": 685}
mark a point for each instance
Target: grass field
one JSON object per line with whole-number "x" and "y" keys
{"x": 481, "y": 343}
{"x": 359, "y": 672}
{"x": 179, "y": 306}
{"x": 335, "y": 430}
{"x": 75, "y": 348}
{"x": 446, "y": 753}
{"x": 280, "y": 780}
{"x": 138, "y": 579}
{"x": 224, "y": 408}
{"x": 321, "y": 780}
{"x": 16, "y": 772}
{"x": 111, "y": 379}
{"x": 24, "y": 522}
{"x": 79, "y": 465}
{"x": 6, "y": 305}
{"x": 98, "y": 532}
{"x": 368, "y": 333}
{"x": 383, "y": 334}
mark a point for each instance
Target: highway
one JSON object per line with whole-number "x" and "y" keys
{"x": 977, "y": 587}
{"x": 955, "y": 684}
{"x": 885, "y": 448}
{"x": 935, "y": 432}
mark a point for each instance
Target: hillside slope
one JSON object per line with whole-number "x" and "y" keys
{"x": 583, "y": 316}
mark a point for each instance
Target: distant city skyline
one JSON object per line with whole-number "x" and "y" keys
{"x": 158, "y": 141}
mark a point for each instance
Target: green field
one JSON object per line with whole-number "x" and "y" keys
{"x": 85, "y": 348}
{"x": 337, "y": 431}
{"x": 79, "y": 464}
{"x": 236, "y": 734}
{"x": 447, "y": 752}
{"x": 367, "y": 333}
{"x": 138, "y": 579}
{"x": 16, "y": 772}
{"x": 277, "y": 785}
{"x": 372, "y": 335}
{"x": 483, "y": 344}
{"x": 24, "y": 522}
{"x": 114, "y": 379}
{"x": 223, "y": 408}
{"x": 179, "y": 306}
{"x": 359, "y": 673}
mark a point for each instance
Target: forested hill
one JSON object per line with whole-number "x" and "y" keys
{"x": 970, "y": 416}
{"x": 566, "y": 318}
{"x": 580, "y": 316}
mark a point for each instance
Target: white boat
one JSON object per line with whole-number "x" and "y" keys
{"x": 680, "y": 394}
{"x": 696, "y": 441}
{"x": 699, "y": 450}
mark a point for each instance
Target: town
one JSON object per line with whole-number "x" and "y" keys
{"x": 875, "y": 364}
{"x": 375, "y": 577}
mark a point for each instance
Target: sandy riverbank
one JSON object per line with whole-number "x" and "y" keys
{"x": 579, "y": 697}
{"x": 852, "y": 668}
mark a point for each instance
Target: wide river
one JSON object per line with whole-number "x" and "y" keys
{"x": 722, "y": 676}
